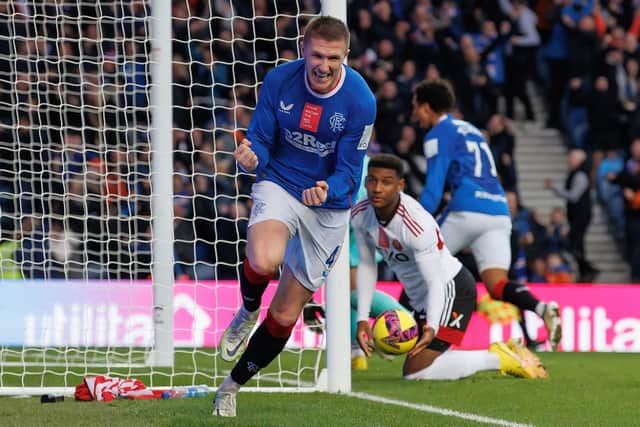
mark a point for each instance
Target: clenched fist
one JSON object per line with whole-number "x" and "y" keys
{"x": 245, "y": 156}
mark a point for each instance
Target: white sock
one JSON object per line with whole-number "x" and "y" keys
{"x": 229, "y": 385}
{"x": 453, "y": 365}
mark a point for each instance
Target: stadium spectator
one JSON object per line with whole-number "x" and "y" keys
{"x": 405, "y": 80}
{"x": 502, "y": 144}
{"x": 65, "y": 255}
{"x": 409, "y": 150}
{"x": 565, "y": 17}
{"x": 584, "y": 45}
{"x": 477, "y": 97}
{"x": 558, "y": 269}
{"x": 538, "y": 228}
{"x": 604, "y": 122}
{"x": 577, "y": 195}
{"x": 524, "y": 45}
{"x": 557, "y": 231}
{"x": 426, "y": 48}
{"x": 575, "y": 119}
{"x": 521, "y": 237}
{"x": 629, "y": 96}
{"x": 9, "y": 246}
{"x": 610, "y": 194}
{"x": 32, "y": 254}
{"x": 492, "y": 47}
{"x": 537, "y": 269}
{"x": 390, "y": 113}
{"x": 629, "y": 181}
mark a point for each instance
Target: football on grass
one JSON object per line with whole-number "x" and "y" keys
{"x": 395, "y": 332}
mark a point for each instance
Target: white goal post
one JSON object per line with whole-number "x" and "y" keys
{"x": 123, "y": 213}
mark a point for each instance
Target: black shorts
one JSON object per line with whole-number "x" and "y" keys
{"x": 459, "y": 307}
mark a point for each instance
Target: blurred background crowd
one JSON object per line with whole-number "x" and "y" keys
{"x": 75, "y": 179}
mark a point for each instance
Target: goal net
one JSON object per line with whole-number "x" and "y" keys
{"x": 85, "y": 278}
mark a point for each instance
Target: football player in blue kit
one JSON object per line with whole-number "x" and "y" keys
{"x": 477, "y": 215}
{"x": 306, "y": 143}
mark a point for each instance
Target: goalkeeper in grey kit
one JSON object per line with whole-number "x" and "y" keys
{"x": 306, "y": 143}
{"x": 441, "y": 290}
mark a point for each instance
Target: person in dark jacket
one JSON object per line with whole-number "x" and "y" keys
{"x": 578, "y": 197}
{"x": 629, "y": 181}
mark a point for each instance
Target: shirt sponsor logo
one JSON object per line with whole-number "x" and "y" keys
{"x": 465, "y": 128}
{"x": 285, "y": 108}
{"x": 488, "y": 196}
{"x": 336, "y": 122}
{"x": 309, "y": 143}
{"x": 310, "y": 117}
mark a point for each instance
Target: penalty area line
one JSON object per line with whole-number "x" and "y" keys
{"x": 436, "y": 410}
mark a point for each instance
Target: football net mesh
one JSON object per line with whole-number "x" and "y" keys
{"x": 75, "y": 186}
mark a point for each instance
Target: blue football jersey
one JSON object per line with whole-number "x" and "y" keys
{"x": 301, "y": 136}
{"x": 458, "y": 155}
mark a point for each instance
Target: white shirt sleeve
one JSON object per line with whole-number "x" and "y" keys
{"x": 367, "y": 274}
{"x": 429, "y": 264}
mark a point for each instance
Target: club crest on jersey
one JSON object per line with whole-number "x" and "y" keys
{"x": 310, "y": 117}
{"x": 396, "y": 245}
{"x": 285, "y": 108}
{"x": 336, "y": 122}
{"x": 258, "y": 207}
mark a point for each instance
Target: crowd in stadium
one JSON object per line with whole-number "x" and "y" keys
{"x": 583, "y": 55}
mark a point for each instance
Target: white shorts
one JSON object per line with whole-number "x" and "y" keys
{"x": 316, "y": 234}
{"x": 489, "y": 237}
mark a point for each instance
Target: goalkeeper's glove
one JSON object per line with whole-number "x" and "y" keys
{"x": 312, "y": 315}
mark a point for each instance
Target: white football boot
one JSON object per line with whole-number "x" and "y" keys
{"x": 234, "y": 339}
{"x": 224, "y": 402}
{"x": 551, "y": 317}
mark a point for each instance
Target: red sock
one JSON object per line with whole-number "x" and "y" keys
{"x": 252, "y": 286}
{"x": 253, "y": 277}
{"x": 498, "y": 289}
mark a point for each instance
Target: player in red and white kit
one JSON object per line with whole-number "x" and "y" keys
{"x": 441, "y": 290}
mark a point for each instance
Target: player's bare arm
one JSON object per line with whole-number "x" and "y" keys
{"x": 317, "y": 195}
{"x": 365, "y": 337}
{"x": 428, "y": 334}
{"x": 245, "y": 156}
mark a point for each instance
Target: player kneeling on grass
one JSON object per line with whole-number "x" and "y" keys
{"x": 440, "y": 288}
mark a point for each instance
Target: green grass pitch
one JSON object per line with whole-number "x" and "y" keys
{"x": 584, "y": 389}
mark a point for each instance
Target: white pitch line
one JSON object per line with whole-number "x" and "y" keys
{"x": 419, "y": 407}
{"x": 436, "y": 410}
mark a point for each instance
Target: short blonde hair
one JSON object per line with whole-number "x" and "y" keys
{"x": 327, "y": 28}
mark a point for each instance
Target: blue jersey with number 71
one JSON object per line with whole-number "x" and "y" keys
{"x": 458, "y": 155}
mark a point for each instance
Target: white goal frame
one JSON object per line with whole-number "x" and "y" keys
{"x": 336, "y": 378}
